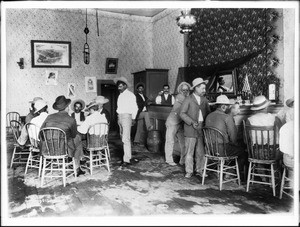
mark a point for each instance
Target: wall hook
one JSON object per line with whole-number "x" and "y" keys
{"x": 21, "y": 63}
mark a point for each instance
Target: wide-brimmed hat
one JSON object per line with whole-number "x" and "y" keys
{"x": 290, "y": 102}
{"x": 223, "y": 99}
{"x": 61, "y": 102}
{"x": 35, "y": 99}
{"x": 198, "y": 81}
{"x": 101, "y": 100}
{"x": 123, "y": 79}
{"x": 260, "y": 102}
{"x": 139, "y": 84}
{"x": 39, "y": 104}
{"x": 77, "y": 100}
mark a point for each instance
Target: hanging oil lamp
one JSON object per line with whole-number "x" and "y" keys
{"x": 86, "y": 48}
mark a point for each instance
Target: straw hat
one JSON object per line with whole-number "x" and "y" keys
{"x": 198, "y": 81}
{"x": 101, "y": 100}
{"x": 223, "y": 99}
{"x": 39, "y": 104}
{"x": 77, "y": 100}
{"x": 123, "y": 79}
{"x": 35, "y": 99}
{"x": 61, "y": 102}
{"x": 290, "y": 102}
{"x": 260, "y": 102}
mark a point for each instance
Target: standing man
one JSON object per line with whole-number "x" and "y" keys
{"x": 164, "y": 97}
{"x": 175, "y": 127}
{"x": 127, "y": 111}
{"x": 142, "y": 114}
{"x": 64, "y": 121}
{"x": 77, "y": 106}
{"x": 193, "y": 112}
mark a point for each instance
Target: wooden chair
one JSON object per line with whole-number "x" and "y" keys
{"x": 97, "y": 147}
{"x": 21, "y": 152}
{"x": 55, "y": 155}
{"x": 263, "y": 155}
{"x": 215, "y": 151}
{"x": 35, "y": 157}
{"x": 11, "y": 116}
{"x": 286, "y": 182}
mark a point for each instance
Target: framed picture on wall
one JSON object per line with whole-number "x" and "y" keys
{"x": 56, "y": 54}
{"x": 71, "y": 90}
{"x": 51, "y": 77}
{"x": 90, "y": 84}
{"x": 111, "y": 66}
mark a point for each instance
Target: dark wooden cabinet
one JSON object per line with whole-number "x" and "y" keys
{"x": 153, "y": 81}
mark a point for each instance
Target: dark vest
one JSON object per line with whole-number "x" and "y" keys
{"x": 167, "y": 101}
{"x": 82, "y": 117}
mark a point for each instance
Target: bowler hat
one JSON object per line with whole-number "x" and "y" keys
{"x": 39, "y": 104}
{"x": 35, "y": 99}
{"x": 61, "y": 102}
{"x": 260, "y": 102}
{"x": 77, "y": 100}
{"x": 290, "y": 102}
{"x": 198, "y": 81}
{"x": 122, "y": 79}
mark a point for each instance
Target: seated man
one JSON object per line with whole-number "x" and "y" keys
{"x": 41, "y": 113}
{"x": 164, "y": 97}
{"x": 31, "y": 115}
{"x": 285, "y": 114}
{"x": 142, "y": 117}
{"x": 225, "y": 123}
{"x": 77, "y": 106}
{"x": 64, "y": 121}
{"x": 101, "y": 100}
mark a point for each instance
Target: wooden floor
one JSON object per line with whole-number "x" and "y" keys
{"x": 148, "y": 187}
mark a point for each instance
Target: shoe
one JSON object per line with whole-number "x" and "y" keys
{"x": 69, "y": 159}
{"x": 79, "y": 172}
{"x": 133, "y": 160}
{"x": 126, "y": 164}
{"x": 188, "y": 175}
{"x": 172, "y": 163}
{"x": 82, "y": 162}
{"x": 200, "y": 174}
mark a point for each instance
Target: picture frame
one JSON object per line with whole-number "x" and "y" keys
{"x": 51, "y": 77}
{"x": 71, "y": 90}
{"x": 90, "y": 84}
{"x": 111, "y": 66}
{"x": 50, "y": 54}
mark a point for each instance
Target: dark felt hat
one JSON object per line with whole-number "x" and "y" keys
{"x": 61, "y": 102}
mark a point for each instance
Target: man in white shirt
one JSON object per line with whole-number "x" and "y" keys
{"x": 127, "y": 110}
{"x": 164, "y": 97}
{"x": 41, "y": 114}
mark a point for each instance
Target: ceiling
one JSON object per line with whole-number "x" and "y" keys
{"x": 145, "y": 12}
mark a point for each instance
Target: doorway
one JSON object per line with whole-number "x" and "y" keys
{"x": 108, "y": 89}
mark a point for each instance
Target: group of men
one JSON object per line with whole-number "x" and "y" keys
{"x": 75, "y": 126}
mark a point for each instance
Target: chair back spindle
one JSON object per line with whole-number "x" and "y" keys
{"x": 215, "y": 142}
{"x": 97, "y": 136}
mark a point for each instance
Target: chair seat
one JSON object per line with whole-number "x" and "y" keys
{"x": 259, "y": 161}
{"x": 221, "y": 158}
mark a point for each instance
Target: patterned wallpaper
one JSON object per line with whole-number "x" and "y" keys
{"x": 222, "y": 35}
{"x": 168, "y": 44}
{"x": 127, "y": 38}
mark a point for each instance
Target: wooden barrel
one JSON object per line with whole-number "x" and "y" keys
{"x": 154, "y": 141}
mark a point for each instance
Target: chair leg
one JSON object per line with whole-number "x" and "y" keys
{"x": 282, "y": 183}
{"x": 221, "y": 174}
{"x": 43, "y": 172}
{"x": 106, "y": 159}
{"x": 12, "y": 157}
{"x": 273, "y": 179}
{"x": 108, "y": 151}
{"x": 64, "y": 171}
{"x": 40, "y": 165}
{"x": 74, "y": 167}
{"x": 28, "y": 161}
{"x": 91, "y": 162}
{"x": 238, "y": 172}
{"x": 204, "y": 171}
{"x": 249, "y": 175}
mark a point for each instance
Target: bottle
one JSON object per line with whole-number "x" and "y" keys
{"x": 272, "y": 92}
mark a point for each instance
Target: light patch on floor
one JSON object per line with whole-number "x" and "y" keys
{"x": 214, "y": 209}
{"x": 153, "y": 174}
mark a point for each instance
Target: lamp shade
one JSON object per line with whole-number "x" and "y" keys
{"x": 186, "y": 21}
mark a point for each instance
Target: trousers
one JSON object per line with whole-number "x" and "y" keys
{"x": 125, "y": 122}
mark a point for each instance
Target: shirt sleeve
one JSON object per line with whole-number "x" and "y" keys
{"x": 173, "y": 100}
{"x": 134, "y": 107}
{"x": 83, "y": 127}
{"x": 158, "y": 99}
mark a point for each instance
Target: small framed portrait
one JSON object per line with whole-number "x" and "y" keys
{"x": 111, "y": 66}
{"x": 90, "y": 84}
{"x": 71, "y": 90}
{"x": 51, "y": 77}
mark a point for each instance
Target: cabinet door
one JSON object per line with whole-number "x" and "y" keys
{"x": 156, "y": 81}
